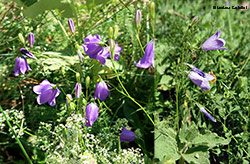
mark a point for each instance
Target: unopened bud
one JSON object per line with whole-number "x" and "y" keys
{"x": 84, "y": 101}
{"x": 111, "y": 44}
{"x": 111, "y": 32}
{"x": 63, "y": 70}
{"x": 87, "y": 81}
{"x": 116, "y": 31}
{"x": 195, "y": 19}
{"x": 31, "y": 39}
{"x": 21, "y": 38}
{"x": 137, "y": 18}
{"x": 152, "y": 10}
{"x": 78, "y": 79}
{"x": 80, "y": 56}
{"x": 71, "y": 25}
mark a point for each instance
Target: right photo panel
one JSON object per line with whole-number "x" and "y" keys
{"x": 202, "y": 75}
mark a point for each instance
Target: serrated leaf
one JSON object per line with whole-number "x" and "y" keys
{"x": 210, "y": 139}
{"x": 166, "y": 144}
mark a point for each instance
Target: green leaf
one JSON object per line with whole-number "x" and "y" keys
{"x": 56, "y": 59}
{"x": 197, "y": 155}
{"x": 42, "y": 5}
{"x": 210, "y": 139}
{"x": 165, "y": 143}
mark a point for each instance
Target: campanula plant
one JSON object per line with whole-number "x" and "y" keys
{"x": 214, "y": 42}
{"x": 21, "y": 66}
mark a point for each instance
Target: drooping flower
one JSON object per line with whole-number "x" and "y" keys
{"x": 31, "y": 39}
{"x": 21, "y": 65}
{"x": 27, "y": 53}
{"x": 92, "y": 46}
{"x": 148, "y": 58}
{"x": 47, "y": 92}
{"x": 101, "y": 91}
{"x": 127, "y": 135}
{"x": 203, "y": 110}
{"x": 91, "y": 114}
{"x": 78, "y": 90}
{"x": 71, "y": 25}
{"x": 214, "y": 42}
{"x": 200, "y": 78}
{"x": 137, "y": 18}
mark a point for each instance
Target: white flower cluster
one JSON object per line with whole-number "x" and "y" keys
{"x": 16, "y": 118}
{"x": 71, "y": 144}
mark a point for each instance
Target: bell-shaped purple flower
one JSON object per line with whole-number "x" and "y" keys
{"x": 92, "y": 46}
{"x": 21, "y": 65}
{"x": 71, "y": 25}
{"x": 127, "y": 135}
{"x": 203, "y": 110}
{"x": 148, "y": 58}
{"x": 31, "y": 39}
{"x": 27, "y": 53}
{"x": 101, "y": 91}
{"x": 200, "y": 78}
{"x": 47, "y": 93}
{"x": 91, "y": 114}
{"x": 214, "y": 42}
{"x": 78, "y": 90}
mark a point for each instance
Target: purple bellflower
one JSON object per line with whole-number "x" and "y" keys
{"x": 27, "y": 53}
{"x": 47, "y": 92}
{"x": 214, "y": 43}
{"x": 148, "y": 58}
{"x": 200, "y": 78}
{"x": 92, "y": 46}
{"x": 101, "y": 91}
{"x": 71, "y": 25}
{"x": 203, "y": 110}
{"x": 31, "y": 39}
{"x": 78, "y": 90}
{"x": 91, "y": 114}
{"x": 21, "y": 65}
{"x": 127, "y": 135}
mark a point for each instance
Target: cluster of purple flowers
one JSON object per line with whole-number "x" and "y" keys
{"x": 21, "y": 65}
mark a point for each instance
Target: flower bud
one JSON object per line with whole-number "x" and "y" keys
{"x": 87, "y": 81}
{"x": 71, "y": 25}
{"x": 111, "y": 44}
{"x": 78, "y": 79}
{"x": 80, "y": 56}
{"x": 152, "y": 10}
{"x": 111, "y": 32}
{"x": 138, "y": 18}
{"x": 68, "y": 99}
{"x": 31, "y": 39}
{"x": 116, "y": 31}
{"x": 78, "y": 90}
{"x": 195, "y": 19}
{"x": 21, "y": 38}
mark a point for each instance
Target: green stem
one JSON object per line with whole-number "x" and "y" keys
{"x": 124, "y": 89}
{"x": 17, "y": 139}
{"x": 139, "y": 41}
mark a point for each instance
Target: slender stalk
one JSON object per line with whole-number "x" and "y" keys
{"x": 63, "y": 29}
{"x": 139, "y": 41}
{"x": 17, "y": 139}
{"x": 124, "y": 89}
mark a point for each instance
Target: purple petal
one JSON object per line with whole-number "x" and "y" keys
{"x": 101, "y": 91}
{"x": 91, "y": 114}
{"x": 202, "y": 109}
{"x": 214, "y": 42}
{"x": 46, "y": 94}
{"x": 17, "y": 68}
{"x": 27, "y": 53}
{"x": 148, "y": 58}
{"x": 127, "y": 135}
{"x": 31, "y": 39}
{"x": 199, "y": 80}
{"x": 78, "y": 90}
